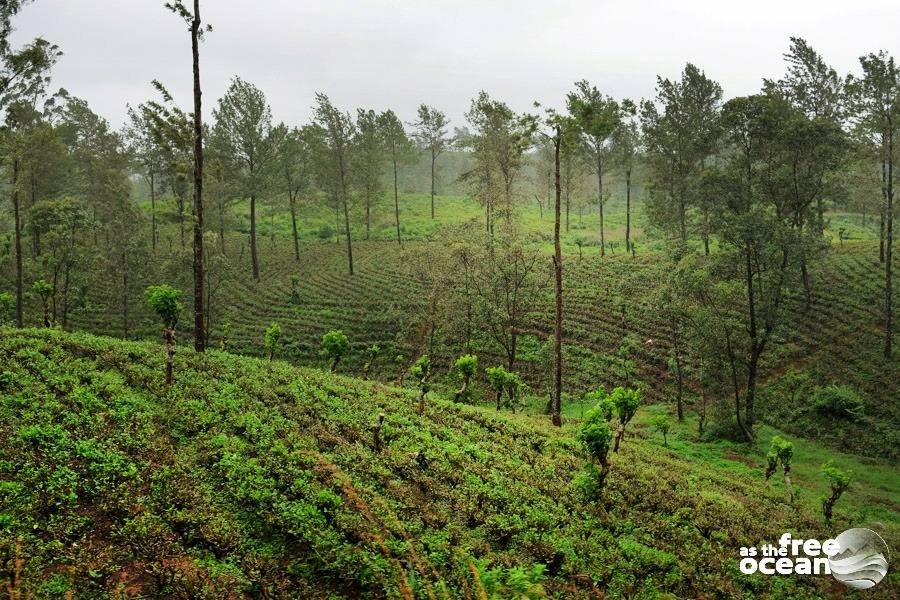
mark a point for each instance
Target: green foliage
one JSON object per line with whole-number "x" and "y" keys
{"x": 840, "y": 401}
{"x": 42, "y": 289}
{"x": 662, "y": 424}
{"x": 466, "y": 365}
{"x": 602, "y": 402}
{"x": 335, "y": 346}
{"x": 595, "y": 434}
{"x": 497, "y": 377}
{"x": 781, "y": 451}
{"x": 261, "y": 476}
{"x": 837, "y": 478}
{"x": 499, "y": 583}
{"x": 421, "y": 370}
{"x": 7, "y": 306}
{"x": 626, "y": 401}
{"x": 272, "y": 336}
{"x": 166, "y": 303}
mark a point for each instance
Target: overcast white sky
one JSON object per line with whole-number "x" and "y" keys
{"x": 397, "y": 54}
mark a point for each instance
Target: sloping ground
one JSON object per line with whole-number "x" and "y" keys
{"x": 248, "y": 478}
{"x": 837, "y": 339}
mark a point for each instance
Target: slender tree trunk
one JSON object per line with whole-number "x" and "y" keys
{"x": 628, "y": 210}
{"x": 124, "y": 296}
{"x": 153, "y": 210}
{"x": 18, "y": 241}
{"x": 169, "y": 335}
{"x": 556, "y": 409}
{"x": 199, "y": 279}
{"x": 600, "y": 199}
{"x": 889, "y": 250}
{"x": 293, "y": 204}
{"x": 679, "y": 398}
{"x": 35, "y": 230}
{"x": 433, "y": 159}
{"x": 397, "y": 203}
{"x": 754, "y": 341}
{"x": 254, "y": 260}
{"x": 368, "y": 215}
{"x": 346, "y": 219}
{"x": 881, "y": 224}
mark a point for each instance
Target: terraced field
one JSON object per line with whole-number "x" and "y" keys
{"x": 250, "y": 478}
{"x": 835, "y": 339}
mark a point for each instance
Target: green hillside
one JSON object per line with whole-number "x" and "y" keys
{"x": 258, "y": 479}
{"x": 836, "y": 339}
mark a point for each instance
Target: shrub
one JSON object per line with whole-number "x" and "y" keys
{"x": 334, "y": 347}
{"x": 781, "y": 451}
{"x": 840, "y": 482}
{"x": 166, "y": 303}
{"x": 7, "y": 306}
{"x": 372, "y": 353}
{"x": 466, "y": 366}
{"x": 497, "y": 377}
{"x": 596, "y": 437}
{"x": 626, "y": 402}
{"x": 662, "y": 425}
{"x": 840, "y": 401}
{"x": 43, "y": 290}
{"x": 602, "y": 402}
{"x": 273, "y": 334}
{"x": 421, "y": 370}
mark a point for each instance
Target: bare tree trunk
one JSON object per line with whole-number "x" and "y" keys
{"x": 397, "y": 203}
{"x": 18, "y": 240}
{"x": 199, "y": 280}
{"x": 169, "y": 335}
{"x": 600, "y": 199}
{"x": 889, "y": 250}
{"x": 153, "y": 210}
{"x": 628, "y": 211}
{"x": 556, "y": 409}
{"x": 124, "y": 296}
{"x": 433, "y": 159}
{"x": 254, "y": 260}
{"x": 293, "y": 201}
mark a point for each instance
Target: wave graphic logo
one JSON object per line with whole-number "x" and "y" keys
{"x": 862, "y": 558}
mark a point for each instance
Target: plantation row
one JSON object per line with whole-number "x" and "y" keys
{"x": 250, "y": 477}
{"x": 612, "y": 331}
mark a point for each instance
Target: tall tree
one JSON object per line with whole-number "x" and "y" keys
{"x": 777, "y": 162}
{"x": 337, "y": 133}
{"x": 875, "y": 98}
{"x": 369, "y": 157}
{"x": 150, "y": 159}
{"x": 498, "y": 142}
{"x": 23, "y": 80}
{"x": 563, "y": 132}
{"x": 814, "y": 88}
{"x": 192, "y": 18}
{"x": 431, "y": 134}
{"x": 598, "y": 117}
{"x": 680, "y": 130}
{"x": 243, "y": 121}
{"x": 400, "y": 151}
{"x": 626, "y": 145}
{"x": 294, "y": 167}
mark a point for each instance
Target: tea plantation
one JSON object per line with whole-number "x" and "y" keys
{"x": 249, "y": 478}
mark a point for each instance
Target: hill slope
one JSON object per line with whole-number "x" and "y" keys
{"x": 249, "y": 478}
